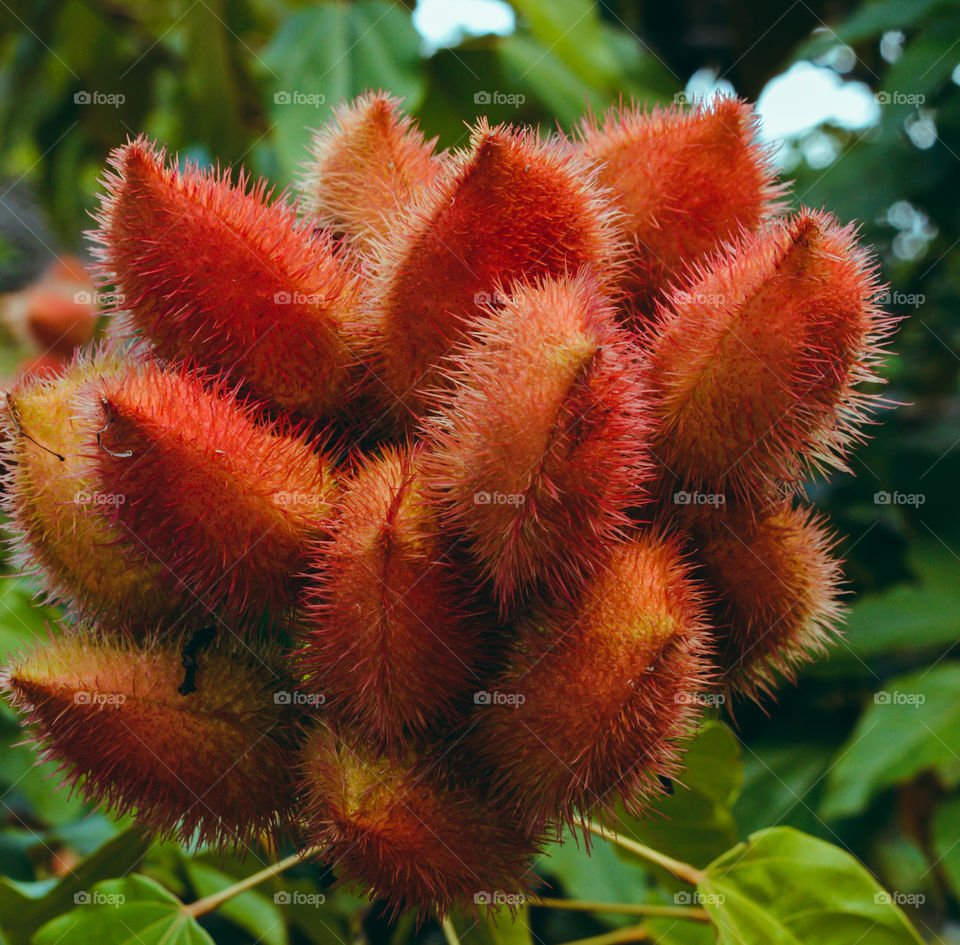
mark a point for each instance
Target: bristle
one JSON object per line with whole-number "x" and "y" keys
{"x": 60, "y": 517}
{"x": 227, "y": 503}
{"x": 687, "y": 180}
{"x": 404, "y": 835}
{"x": 756, "y": 362}
{"x": 776, "y": 586}
{"x": 597, "y": 694}
{"x": 391, "y": 641}
{"x": 541, "y": 447}
{"x": 212, "y": 766}
{"x": 213, "y": 273}
{"x": 510, "y": 207}
{"x": 366, "y": 164}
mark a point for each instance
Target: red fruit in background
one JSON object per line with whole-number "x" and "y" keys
{"x": 391, "y": 640}
{"x": 686, "y": 179}
{"x": 756, "y": 361}
{"x": 541, "y": 446}
{"x": 57, "y": 314}
{"x": 214, "y": 274}
{"x": 597, "y": 694}
{"x": 511, "y": 206}
{"x": 59, "y": 322}
{"x": 212, "y": 766}
{"x": 399, "y": 831}
{"x": 228, "y": 504}
{"x": 367, "y": 164}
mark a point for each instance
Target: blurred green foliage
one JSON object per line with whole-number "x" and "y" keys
{"x": 865, "y": 752}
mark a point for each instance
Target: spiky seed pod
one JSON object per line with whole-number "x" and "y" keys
{"x": 552, "y": 744}
{"x": 228, "y": 504}
{"x": 776, "y": 586}
{"x": 367, "y": 163}
{"x": 402, "y": 832}
{"x": 686, "y": 179}
{"x": 391, "y": 641}
{"x": 542, "y": 445}
{"x": 59, "y": 516}
{"x": 755, "y": 363}
{"x": 511, "y": 206}
{"x": 213, "y": 273}
{"x": 213, "y": 765}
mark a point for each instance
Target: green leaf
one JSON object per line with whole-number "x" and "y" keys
{"x": 597, "y": 876}
{"x": 21, "y": 621}
{"x": 499, "y": 929}
{"x": 783, "y": 887}
{"x": 945, "y": 834}
{"x": 912, "y": 725}
{"x": 782, "y": 778}
{"x": 251, "y": 911}
{"x": 927, "y": 59}
{"x": 573, "y": 32}
{"x": 319, "y": 916}
{"x": 130, "y": 911}
{"x": 25, "y": 906}
{"x": 332, "y": 52}
{"x": 538, "y": 71}
{"x": 870, "y": 20}
{"x": 695, "y": 823}
{"x": 914, "y": 617}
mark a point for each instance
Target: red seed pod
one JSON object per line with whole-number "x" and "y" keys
{"x": 511, "y": 206}
{"x": 402, "y": 833}
{"x": 59, "y": 516}
{"x": 777, "y": 587}
{"x": 366, "y": 165}
{"x": 213, "y": 274}
{"x": 755, "y": 362}
{"x": 596, "y": 695}
{"x": 213, "y": 765}
{"x": 541, "y": 448}
{"x": 228, "y": 504}
{"x": 686, "y": 179}
{"x": 60, "y": 319}
{"x": 391, "y": 640}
